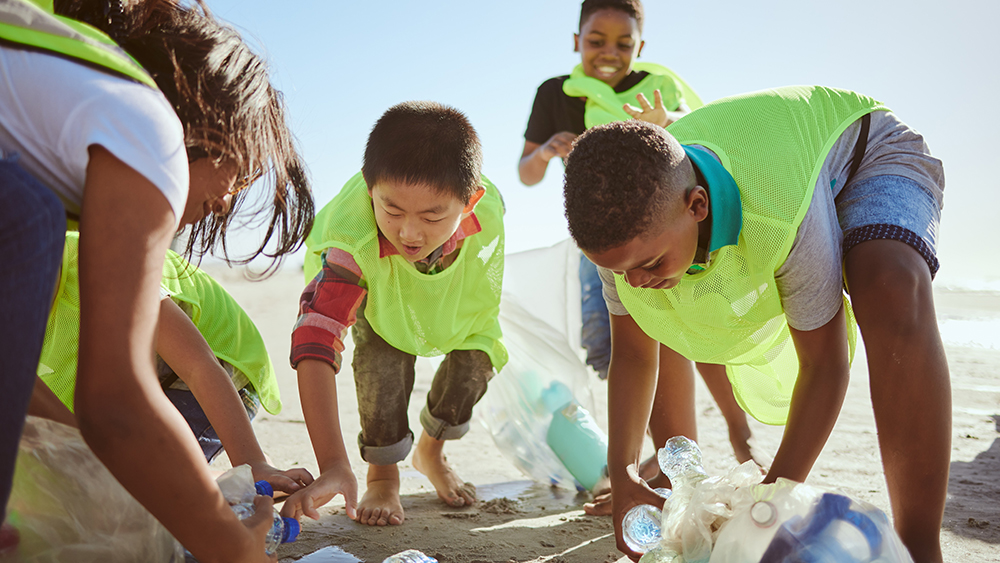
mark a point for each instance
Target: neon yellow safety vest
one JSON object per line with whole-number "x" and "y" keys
{"x": 604, "y": 105}
{"x": 773, "y": 143}
{"x": 34, "y": 25}
{"x": 225, "y": 326}
{"x": 421, "y": 314}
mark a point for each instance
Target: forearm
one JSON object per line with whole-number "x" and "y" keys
{"x": 318, "y": 393}
{"x": 217, "y": 396}
{"x": 531, "y": 168}
{"x": 824, "y": 374}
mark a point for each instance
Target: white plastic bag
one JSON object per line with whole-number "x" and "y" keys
{"x": 67, "y": 506}
{"x": 540, "y": 318}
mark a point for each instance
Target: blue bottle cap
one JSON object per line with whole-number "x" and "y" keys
{"x": 291, "y": 530}
{"x": 264, "y": 488}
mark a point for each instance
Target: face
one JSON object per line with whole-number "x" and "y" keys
{"x": 209, "y": 190}
{"x": 659, "y": 258}
{"x": 416, "y": 218}
{"x": 608, "y": 42}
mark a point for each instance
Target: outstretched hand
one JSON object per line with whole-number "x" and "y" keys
{"x": 626, "y": 493}
{"x": 336, "y": 481}
{"x": 559, "y": 145}
{"x": 654, "y": 113}
{"x": 289, "y": 481}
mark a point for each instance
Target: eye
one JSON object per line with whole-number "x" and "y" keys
{"x": 391, "y": 214}
{"x": 653, "y": 266}
{"x": 434, "y": 220}
{"x": 625, "y": 47}
{"x": 594, "y": 43}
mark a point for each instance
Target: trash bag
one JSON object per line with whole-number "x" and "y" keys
{"x": 540, "y": 318}
{"x": 67, "y": 507}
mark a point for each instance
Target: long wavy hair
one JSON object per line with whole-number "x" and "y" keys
{"x": 222, "y": 94}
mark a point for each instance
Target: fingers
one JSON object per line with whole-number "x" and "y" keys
{"x": 658, "y": 99}
{"x": 644, "y": 102}
{"x": 300, "y": 474}
{"x": 260, "y": 522}
{"x": 632, "y": 110}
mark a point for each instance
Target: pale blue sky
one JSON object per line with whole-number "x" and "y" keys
{"x": 341, "y": 64}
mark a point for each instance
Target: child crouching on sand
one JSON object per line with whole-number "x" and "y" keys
{"x": 400, "y": 255}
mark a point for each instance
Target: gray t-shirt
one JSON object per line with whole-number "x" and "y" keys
{"x": 810, "y": 282}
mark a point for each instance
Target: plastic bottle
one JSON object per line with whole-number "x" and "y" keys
{"x": 680, "y": 461}
{"x": 641, "y": 527}
{"x": 283, "y": 530}
{"x": 579, "y": 443}
{"x": 409, "y": 556}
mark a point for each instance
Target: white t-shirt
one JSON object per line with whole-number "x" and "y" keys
{"x": 53, "y": 109}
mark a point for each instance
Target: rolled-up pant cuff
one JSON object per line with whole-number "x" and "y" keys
{"x": 439, "y": 429}
{"x": 386, "y": 455}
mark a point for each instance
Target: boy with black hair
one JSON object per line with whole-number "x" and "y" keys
{"x": 401, "y": 255}
{"x": 731, "y": 241}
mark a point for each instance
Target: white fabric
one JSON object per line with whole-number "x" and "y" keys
{"x": 53, "y": 109}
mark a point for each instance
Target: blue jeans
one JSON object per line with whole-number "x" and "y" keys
{"x": 32, "y": 233}
{"x": 595, "y": 333}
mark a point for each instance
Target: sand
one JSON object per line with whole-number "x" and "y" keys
{"x": 519, "y": 521}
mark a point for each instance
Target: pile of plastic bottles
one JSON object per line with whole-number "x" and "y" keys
{"x": 736, "y": 519}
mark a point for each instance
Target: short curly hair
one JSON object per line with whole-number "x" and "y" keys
{"x": 632, "y": 8}
{"x": 425, "y": 143}
{"x": 620, "y": 179}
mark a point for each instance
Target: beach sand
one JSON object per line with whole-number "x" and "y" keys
{"x": 519, "y": 521}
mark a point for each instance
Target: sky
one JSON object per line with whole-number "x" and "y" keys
{"x": 340, "y": 65}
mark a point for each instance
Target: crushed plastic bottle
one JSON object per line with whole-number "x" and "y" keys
{"x": 283, "y": 530}
{"x": 409, "y": 556}
{"x": 641, "y": 527}
{"x": 680, "y": 460}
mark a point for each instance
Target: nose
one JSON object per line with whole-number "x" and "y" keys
{"x": 637, "y": 278}
{"x": 409, "y": 231}
{"x": 220, "y": 207}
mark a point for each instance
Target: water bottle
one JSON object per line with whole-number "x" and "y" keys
{"x": 409, "y": 556}
{"x": 579, "y": 443}
{"x": 680, "y": 461}
{"x": 641, "y": 527}
{"x": 283, "y": 530}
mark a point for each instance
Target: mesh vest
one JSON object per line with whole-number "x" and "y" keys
{"x": 33, "y": 24}
{"x": 604, "y": 105}
{"x": 421, "y": 314}
{"x": 774, "y": 143}
{"x": 226, "y": 327}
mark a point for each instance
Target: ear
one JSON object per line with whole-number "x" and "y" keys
{"x": 576, "y": 42}
{"x": 697, "y": 203}
{"x": 639, "y": 52}
{"x": 474, "y": 200}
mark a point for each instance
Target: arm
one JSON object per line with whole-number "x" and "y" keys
{"x": 535, "y": 157}
{"x": 631, "y": 386}
{"x": 125, "y": 418}
{"x": 328, "y": 307}
{"x": 185, "y": 350}
{"x": 824, "y": 372}
{"x": 318, "y": 393}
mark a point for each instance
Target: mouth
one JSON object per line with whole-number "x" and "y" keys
{"x": 606, "y": 71}
{"x": 411, "y": 250}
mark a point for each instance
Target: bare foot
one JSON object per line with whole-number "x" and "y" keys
{"x": 381, "y": 505}
{"x": 428, "y": 458}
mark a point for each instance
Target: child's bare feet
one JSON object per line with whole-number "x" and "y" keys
{"x": 380, "y": 504}
{"x": 428, "y": 458}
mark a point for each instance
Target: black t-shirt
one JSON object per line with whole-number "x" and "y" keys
{"x": 554, "y": 111}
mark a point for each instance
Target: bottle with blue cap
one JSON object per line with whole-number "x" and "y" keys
{"x": 283, "y": 530}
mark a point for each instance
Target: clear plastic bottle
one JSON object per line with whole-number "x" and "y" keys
{"x": 409, "y": 556}
{"x": 680, "y": 461}
{"x": 641, "y": 527}
{"x": 283, "y": 530}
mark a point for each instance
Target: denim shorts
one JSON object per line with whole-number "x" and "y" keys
{"x": 890, "y": 207}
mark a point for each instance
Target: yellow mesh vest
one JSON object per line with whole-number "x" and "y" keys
{"x": 604, "y": 105}
{"x": 774, "y": 143}
{"x": 421, "y": 314}
{"x": 225, "y": 326}
{"x": 34, "y": 25}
